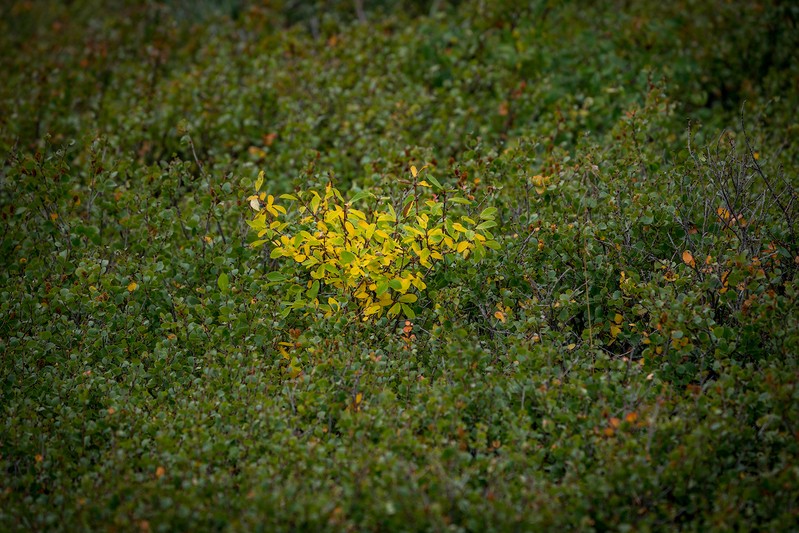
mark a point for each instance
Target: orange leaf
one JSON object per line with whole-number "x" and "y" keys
{"x": 688, "y": 259}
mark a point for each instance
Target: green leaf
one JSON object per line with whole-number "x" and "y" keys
{"x": 408, "y": 312}
{"x": 259, "y": 181}
{"x": 382, "y": 287}
{"x": 223, "y": 282}
{"x": 435, "y": 182}
{"x": 359, "y": 196}
{"x": 276, "y": 276}
{"x": 347, "y": 257}
{"x": 395, "y": 309}
{"x": 313, "y": 291}
{"x": 488, "y": 213}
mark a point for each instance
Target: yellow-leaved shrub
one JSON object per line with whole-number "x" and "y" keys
{"x": 376, "y": 256}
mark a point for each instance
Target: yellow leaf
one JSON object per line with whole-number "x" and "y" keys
{"x": 540, "y": 183}
{"x": 259, "y": 181}
{"x": 255, "y": 203}
{"x": 414, "y": 171}
{"x": 372, "y": 310}
{"x": 614, "y": 331}
{"x": 618, "y": 318}
{"x": 688, "y": 259}
{"x": 424, "y": 254}
{"x": 132, "y": 286}
{"x": 499, "y": 315}
{"x": 358, "y": 398}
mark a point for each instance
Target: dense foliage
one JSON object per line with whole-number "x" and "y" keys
{"x": 623, "y": 355}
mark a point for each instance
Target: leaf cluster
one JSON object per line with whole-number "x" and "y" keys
{"x": 375, "y": 257}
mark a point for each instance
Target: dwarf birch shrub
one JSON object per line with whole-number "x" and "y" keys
{"x": 376, "y": 256}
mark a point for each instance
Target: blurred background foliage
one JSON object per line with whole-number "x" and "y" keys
{"x": 626, "y": 361}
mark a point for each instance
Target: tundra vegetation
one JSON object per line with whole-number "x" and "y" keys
{"x": 381, "y": 265}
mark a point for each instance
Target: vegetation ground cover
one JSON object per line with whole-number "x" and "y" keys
{"x": 600, "y": 333}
